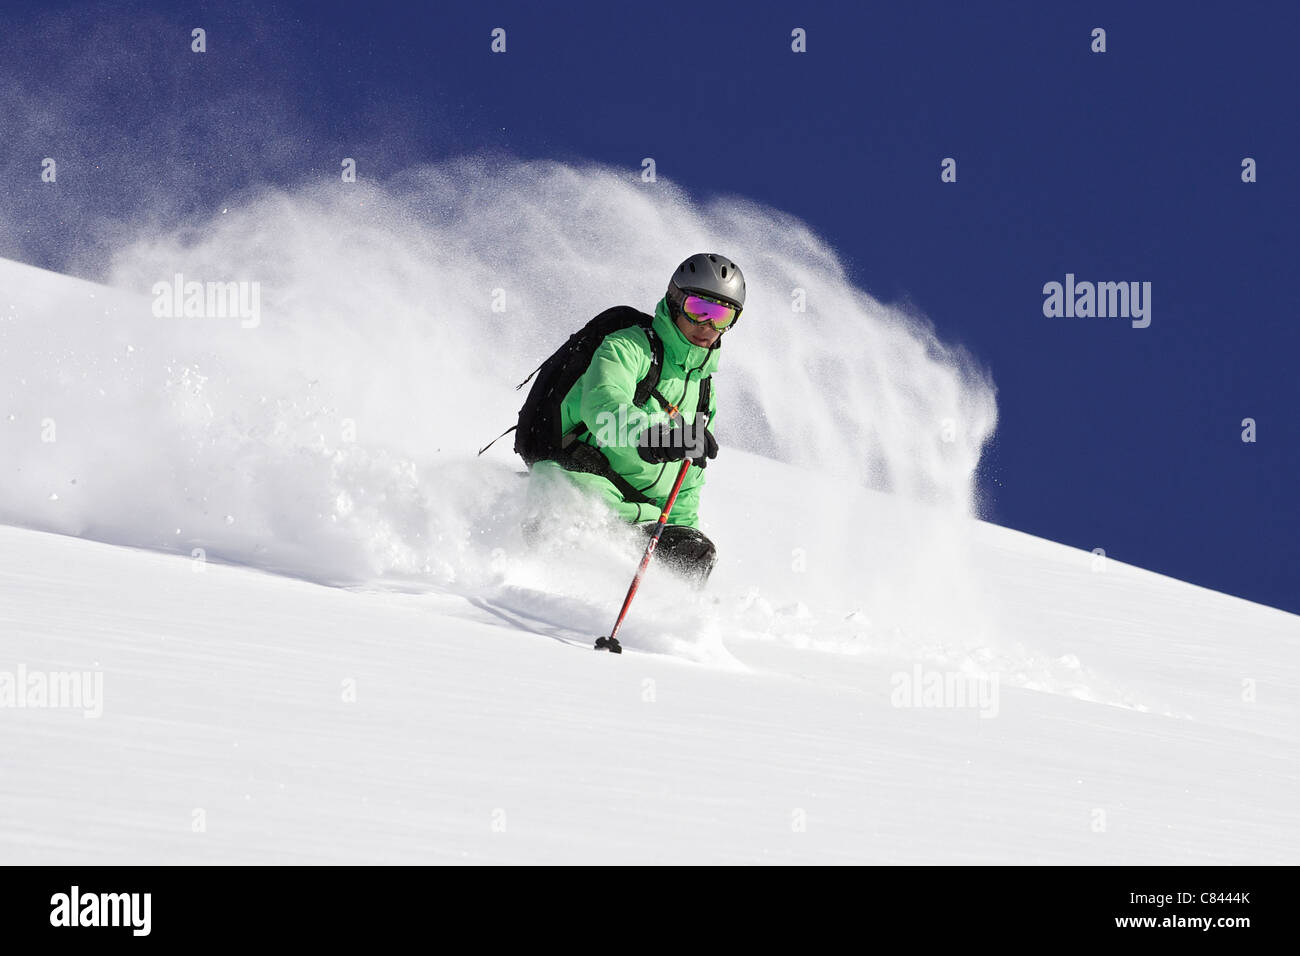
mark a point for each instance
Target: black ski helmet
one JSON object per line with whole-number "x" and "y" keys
{"x": 710, "y": 275}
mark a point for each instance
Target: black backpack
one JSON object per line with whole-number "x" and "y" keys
{"x": 537, "y": 433}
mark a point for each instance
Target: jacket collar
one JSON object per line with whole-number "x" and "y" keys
{"x": 678, "y": 349}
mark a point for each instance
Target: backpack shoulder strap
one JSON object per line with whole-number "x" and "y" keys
{"x": 706, "y": 394}
{"x": 648, "y": 385}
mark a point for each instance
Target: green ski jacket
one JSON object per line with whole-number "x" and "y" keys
{"x": 602, "y": 400}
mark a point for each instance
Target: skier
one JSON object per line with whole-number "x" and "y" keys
{"x": 629, "y": 396}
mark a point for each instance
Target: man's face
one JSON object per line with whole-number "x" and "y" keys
{"x": 702, "y": 335}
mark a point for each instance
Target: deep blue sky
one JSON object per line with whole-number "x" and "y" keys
{"x": 1119, "y": 166}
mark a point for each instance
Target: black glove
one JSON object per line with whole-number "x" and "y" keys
{"x": 710, "y": 447}
{"x": 661, "y": 443}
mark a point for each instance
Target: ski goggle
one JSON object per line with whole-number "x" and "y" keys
{"x": 702, "y": 311}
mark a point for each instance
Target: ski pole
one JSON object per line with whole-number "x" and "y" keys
{"x": 611, "y": 643}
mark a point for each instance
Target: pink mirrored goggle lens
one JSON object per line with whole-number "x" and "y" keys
{"x": 703, "y": 311}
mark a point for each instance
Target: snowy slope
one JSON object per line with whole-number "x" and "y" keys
{"x": 473, "y": 740}
{"x": 316, "y": 647}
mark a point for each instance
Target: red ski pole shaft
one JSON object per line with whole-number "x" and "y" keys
{"x": 611, "y": 642}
